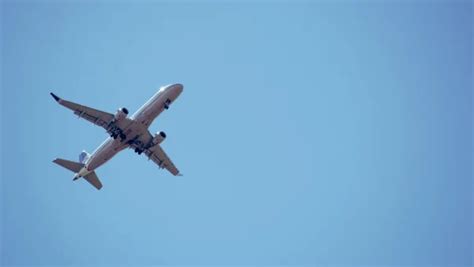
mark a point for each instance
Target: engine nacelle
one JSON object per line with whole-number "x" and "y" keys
{"x": 159, "y": 137}
{"x": 121, "y": 114}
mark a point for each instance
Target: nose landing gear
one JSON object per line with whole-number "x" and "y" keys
{"x": 167, "y": 104}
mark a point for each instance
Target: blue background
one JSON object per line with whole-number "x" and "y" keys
{"x": 308, "y": 133}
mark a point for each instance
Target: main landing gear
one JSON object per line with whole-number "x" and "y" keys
{"x": 117, "y": 134}
{"x": 139, "y": 148}
{"x": 138, "y": 151}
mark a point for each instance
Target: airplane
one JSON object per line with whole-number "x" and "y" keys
{"x": 125, "y": 132}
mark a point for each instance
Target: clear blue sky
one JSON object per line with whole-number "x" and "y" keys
{"x": 308, "y": 133}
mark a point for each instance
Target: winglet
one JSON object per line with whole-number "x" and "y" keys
{"x": 55, "y": 97}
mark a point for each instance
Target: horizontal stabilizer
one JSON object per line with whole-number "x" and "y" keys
{"x": 55, "y": 97}
{"x": 70, "y": 165}
{"x": 93, "y": 180}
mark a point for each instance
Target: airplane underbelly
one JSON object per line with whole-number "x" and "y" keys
{"x": 159, "y": 102}
{"x": 105, "y": 153}
{"x": 150, "y": 112}
{"x": 153, "y": 109}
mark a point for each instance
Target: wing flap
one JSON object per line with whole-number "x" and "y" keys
{"x": 157, "y": 155}
{"x": 95, "y": 116}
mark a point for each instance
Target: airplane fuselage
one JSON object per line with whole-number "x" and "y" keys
{"x": 136, "y": 131}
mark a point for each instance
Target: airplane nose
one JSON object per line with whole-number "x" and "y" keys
{"x": 178, "y": 88}
{"x": 174, "y": 89}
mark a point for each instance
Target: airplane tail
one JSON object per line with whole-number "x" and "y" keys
{"x": 70, "y": 165}
{"x": 84, "y": 156}
{"x": 76, "y": 167}
{"x": 93, "y": 180}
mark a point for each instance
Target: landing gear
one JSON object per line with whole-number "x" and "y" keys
{"x": 116, "y": 132}
{"x": 134, "y": 142}
{"x": 167, "y": 104}
{"x": 121, "y": 135}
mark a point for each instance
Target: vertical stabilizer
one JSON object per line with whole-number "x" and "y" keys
{"x": 76, "y": 167}
{"x": 84, "y": 156}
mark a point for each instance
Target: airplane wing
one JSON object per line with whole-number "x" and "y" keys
{"x": 97, "y": 117}
{"x": 159, "y": 156}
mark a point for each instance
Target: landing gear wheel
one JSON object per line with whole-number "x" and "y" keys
{"x": 167, "y": 104}
{"x": 115, "y": 132}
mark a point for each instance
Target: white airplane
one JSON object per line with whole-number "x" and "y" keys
{"x": 124, "y": 132}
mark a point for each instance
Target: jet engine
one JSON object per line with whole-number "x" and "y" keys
{"x": 159, "y": 137}
{"x": 121, "y": 114}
